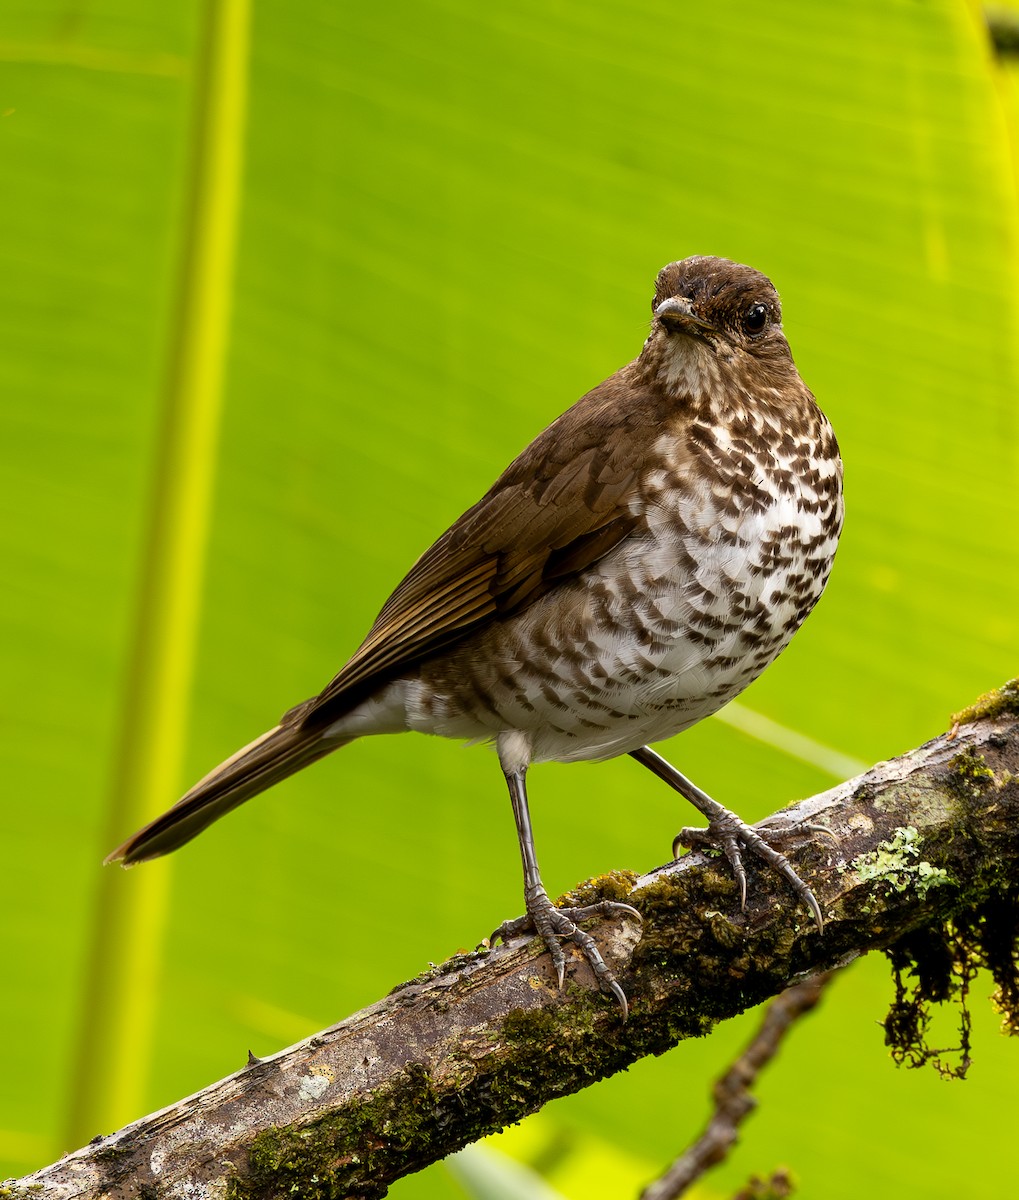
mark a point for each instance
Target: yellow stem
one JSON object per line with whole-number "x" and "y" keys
{"x": 120, "y": 995}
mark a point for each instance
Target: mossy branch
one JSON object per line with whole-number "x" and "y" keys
{"x": 486, "y": 1038}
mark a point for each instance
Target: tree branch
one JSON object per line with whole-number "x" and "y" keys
{"x": 486, "y": 1038}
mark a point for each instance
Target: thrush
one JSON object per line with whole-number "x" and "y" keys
{"x": 634, "y": 569}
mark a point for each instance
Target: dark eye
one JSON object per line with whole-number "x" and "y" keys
{"x": 755, "y": 319}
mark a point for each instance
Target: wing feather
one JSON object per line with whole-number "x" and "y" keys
{"x": 568, "y": 500}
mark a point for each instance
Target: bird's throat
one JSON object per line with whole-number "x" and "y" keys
{"x": 688, "y": 365}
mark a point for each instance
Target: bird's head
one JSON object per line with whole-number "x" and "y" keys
{"x": 708, "y": 312}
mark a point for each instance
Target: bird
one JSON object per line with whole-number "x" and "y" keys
{"x": 635, "y": 568}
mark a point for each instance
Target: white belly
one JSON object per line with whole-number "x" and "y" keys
{"x": 662, "y": 632}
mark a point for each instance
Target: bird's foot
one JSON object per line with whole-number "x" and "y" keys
{"x": 728, "y": 833}
{"x": 555, "y": 925}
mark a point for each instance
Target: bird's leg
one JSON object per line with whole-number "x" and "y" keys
{"x": 727, "y": 831}
{"x": 549, "y": 922}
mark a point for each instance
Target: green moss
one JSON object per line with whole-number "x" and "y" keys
{"x": 1002, "y": 701}
{"x": 938, "y": 964}
{"x": 697, "y": 943}
{"x": 897, "y": 862}
{"x": 352, "y": 1144}
{"x": 666, "y": 935}
{"x": 972, "y": 766}
{"x": 359, "y": 1149}
{"x": 970, "y": 775}
{"x": 554, "y": 1050}
{"x": 534, "y": 1027}
{"x": 616, "y": 885}
{"x": 724, "y": 930}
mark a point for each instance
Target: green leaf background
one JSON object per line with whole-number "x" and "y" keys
{"x": 303, "y": 315}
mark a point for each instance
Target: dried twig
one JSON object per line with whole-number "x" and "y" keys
{"x": 733, "y": 1101}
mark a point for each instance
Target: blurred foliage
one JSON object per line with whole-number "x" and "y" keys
{"x": 451, "y": 218}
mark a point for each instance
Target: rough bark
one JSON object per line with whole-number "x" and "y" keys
{"x": 486, "y": 1038}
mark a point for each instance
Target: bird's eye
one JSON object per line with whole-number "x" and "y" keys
{"x": 755, "y": 319}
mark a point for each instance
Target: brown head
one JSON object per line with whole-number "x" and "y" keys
{"x": 709, "y": 311}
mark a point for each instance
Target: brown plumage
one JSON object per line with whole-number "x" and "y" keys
{"x": 630, "y": 572}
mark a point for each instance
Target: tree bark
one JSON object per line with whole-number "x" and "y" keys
{"x": 486, "y": 1038}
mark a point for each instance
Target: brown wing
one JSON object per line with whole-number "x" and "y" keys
{"x": 557, "y": 509}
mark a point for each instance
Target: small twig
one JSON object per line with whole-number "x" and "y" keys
{"x": 733, "y": 1102}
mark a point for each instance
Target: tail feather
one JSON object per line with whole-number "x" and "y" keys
{"x": 257, "y": 766}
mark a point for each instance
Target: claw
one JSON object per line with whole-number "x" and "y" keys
{"x": 815, "y": 909}
{"x": 824, "y": 831}
{"x": 553, "y": 924}
{"x": 620, "y": 995}
{"x": 602, "y": 908}
{"x": 726, "y": 831}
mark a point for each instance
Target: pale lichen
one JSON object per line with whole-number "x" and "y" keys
{"x": 897, "y": 862}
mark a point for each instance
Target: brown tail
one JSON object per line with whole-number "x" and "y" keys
{"x": 257, "y": 766}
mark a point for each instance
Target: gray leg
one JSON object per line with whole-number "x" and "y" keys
{"x": 549, "y": 922}
{"x": 726, "y": 830}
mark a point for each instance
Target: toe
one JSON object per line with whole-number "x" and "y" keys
{"x": 517, "y": 927}
{"x": 555, "y": 925}
{"x": 603, "y": 908}
{"x": 734, "y": 837}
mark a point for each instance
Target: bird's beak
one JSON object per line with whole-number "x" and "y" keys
{"x": 677, "y": 316}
